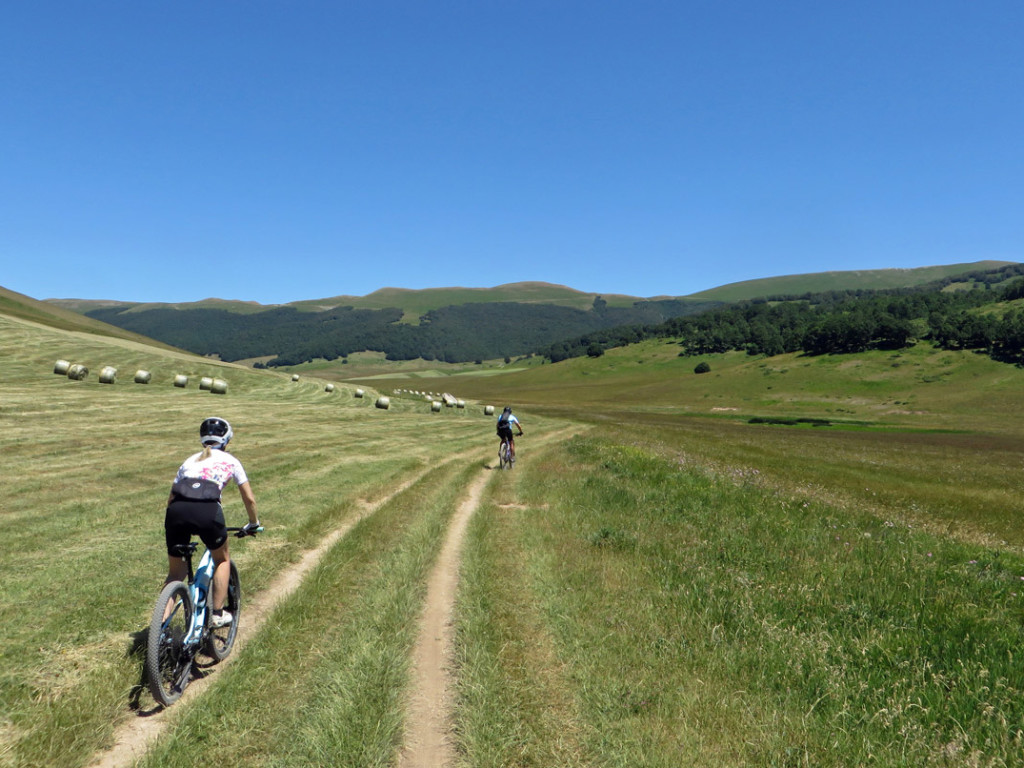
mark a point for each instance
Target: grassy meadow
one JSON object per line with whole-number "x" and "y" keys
{"x": 87, "y": 468}
{"x": 658, "y": 583}
{"x": 622, "y": 609}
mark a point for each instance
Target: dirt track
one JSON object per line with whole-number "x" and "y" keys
{"x": 427, "y": 744}
{"x": 427, "y": 723}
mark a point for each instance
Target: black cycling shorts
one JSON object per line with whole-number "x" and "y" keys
{"x": 505, "y": 433}
{"x": 186, "y": 518}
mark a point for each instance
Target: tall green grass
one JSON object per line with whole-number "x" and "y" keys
{"x": 691, "y": 621}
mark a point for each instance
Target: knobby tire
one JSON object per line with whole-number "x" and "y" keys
{"x": 168, "y": 663}
{"x": 219, "y": 641}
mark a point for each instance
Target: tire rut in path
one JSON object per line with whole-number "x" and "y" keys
{"x": 428, "y": 716}
{"x": 133, "y": 738}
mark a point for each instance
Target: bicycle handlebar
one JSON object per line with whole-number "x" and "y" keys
{"x": 240, "y": 531}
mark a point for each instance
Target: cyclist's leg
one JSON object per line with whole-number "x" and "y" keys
{"x": 214, "y": 535}
{"x": 221, "y": 575}
{"x": 176, "y": 569}
{"x": 176, "y": 533}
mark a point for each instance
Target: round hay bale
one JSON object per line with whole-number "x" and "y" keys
{"x": 205, "y": 382}
{"x": 383, "y": 403}
{"x": 329, "y": 388}
{"x": 360, "y": 393}
{"x": 143, "y": 377}
{"x": 295, "y": 377}
{"x": 108, "y": 374}
{"x": 181, "y": 380}
{"x": 219, "y": 387}
{"x": 461, "y": 404}
{"x": 78, "y": 372}
{"x": 435, "y": 406}
{"x": 61, "y": 367}
{"x": 488, "y": 410}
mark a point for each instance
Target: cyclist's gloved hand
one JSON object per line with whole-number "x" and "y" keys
{"x": 251, "y": 529}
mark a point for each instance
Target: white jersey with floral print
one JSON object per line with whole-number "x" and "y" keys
{"x": 205, "y": 479}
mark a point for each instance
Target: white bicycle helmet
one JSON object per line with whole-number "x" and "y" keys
{"x": 215, "y": 432}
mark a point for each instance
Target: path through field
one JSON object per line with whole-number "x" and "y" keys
{"x": 135, "y": 736}
{"x": 427, "y": 744}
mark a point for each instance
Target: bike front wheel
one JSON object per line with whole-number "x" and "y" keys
{"x": 504, "y": 457}
{"x": 168, "y": 660}
{"x": 219, "y": 641}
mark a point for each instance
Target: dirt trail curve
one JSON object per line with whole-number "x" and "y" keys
{"x": 427, "y": 742}
{"x": 132, "y": 739}
{"x": 427, "y": 720}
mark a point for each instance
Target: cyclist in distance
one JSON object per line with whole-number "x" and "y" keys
{"x": 193, "y": 508}
{"x": 505, "y": 423}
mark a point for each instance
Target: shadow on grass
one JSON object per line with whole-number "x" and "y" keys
{"x": 137, "y": 652}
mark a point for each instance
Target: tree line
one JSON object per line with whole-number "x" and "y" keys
{"x": 840, "y": 322}
{"x": 462, "y": 333}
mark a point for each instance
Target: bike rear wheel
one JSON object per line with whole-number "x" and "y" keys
{"x": 219, "y": 641}
{"x": 504, "y": 458}
{"x": 168, "y": 661}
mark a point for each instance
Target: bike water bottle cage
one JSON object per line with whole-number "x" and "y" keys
{"x": 215, "y": 432}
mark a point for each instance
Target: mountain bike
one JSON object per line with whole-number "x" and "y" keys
{"x": 180, "y": 627}
{"x": 506, "y": 456}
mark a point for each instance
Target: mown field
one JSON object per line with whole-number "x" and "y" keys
{"x": 658, "y": 582}
{"x": 87, "y": 468}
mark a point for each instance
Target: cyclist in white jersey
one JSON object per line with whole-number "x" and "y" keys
{"x": 193, "y": 508}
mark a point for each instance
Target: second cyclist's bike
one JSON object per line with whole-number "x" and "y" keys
{"x": 180, "y": 629}
{"x": 506, "y": 456}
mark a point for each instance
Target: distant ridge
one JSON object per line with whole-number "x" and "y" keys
{"x": 820, "y": 282}
{"x": 413, "y": 301}
{"x": 416, "y": 302}
{"x": 454, "y": 324}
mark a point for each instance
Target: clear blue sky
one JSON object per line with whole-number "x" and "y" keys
{"x": 287, "y": 150}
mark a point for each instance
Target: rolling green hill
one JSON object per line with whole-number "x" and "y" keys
{"x": 922, "y": 387}
{"x": 821, "y": 282}
{"x": 454, "y": 333}
{"x": 416, "y": 303}
{"x": 466, "y": 324}
{"x": 45, "y": 313}
{"x": 413, "y": 303}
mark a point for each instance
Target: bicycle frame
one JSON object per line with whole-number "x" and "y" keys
{"x": 199, "y": 589}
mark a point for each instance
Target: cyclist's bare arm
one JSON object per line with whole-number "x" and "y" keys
{"x": 249, "y": 500}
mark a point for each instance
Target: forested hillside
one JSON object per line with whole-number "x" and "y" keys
{"x": 462, "y": 333}
{"x": 558, "y": 322}
{"x": 984, "y": 316}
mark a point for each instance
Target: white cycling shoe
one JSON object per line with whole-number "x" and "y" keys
{"x": 223, "y": 620}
